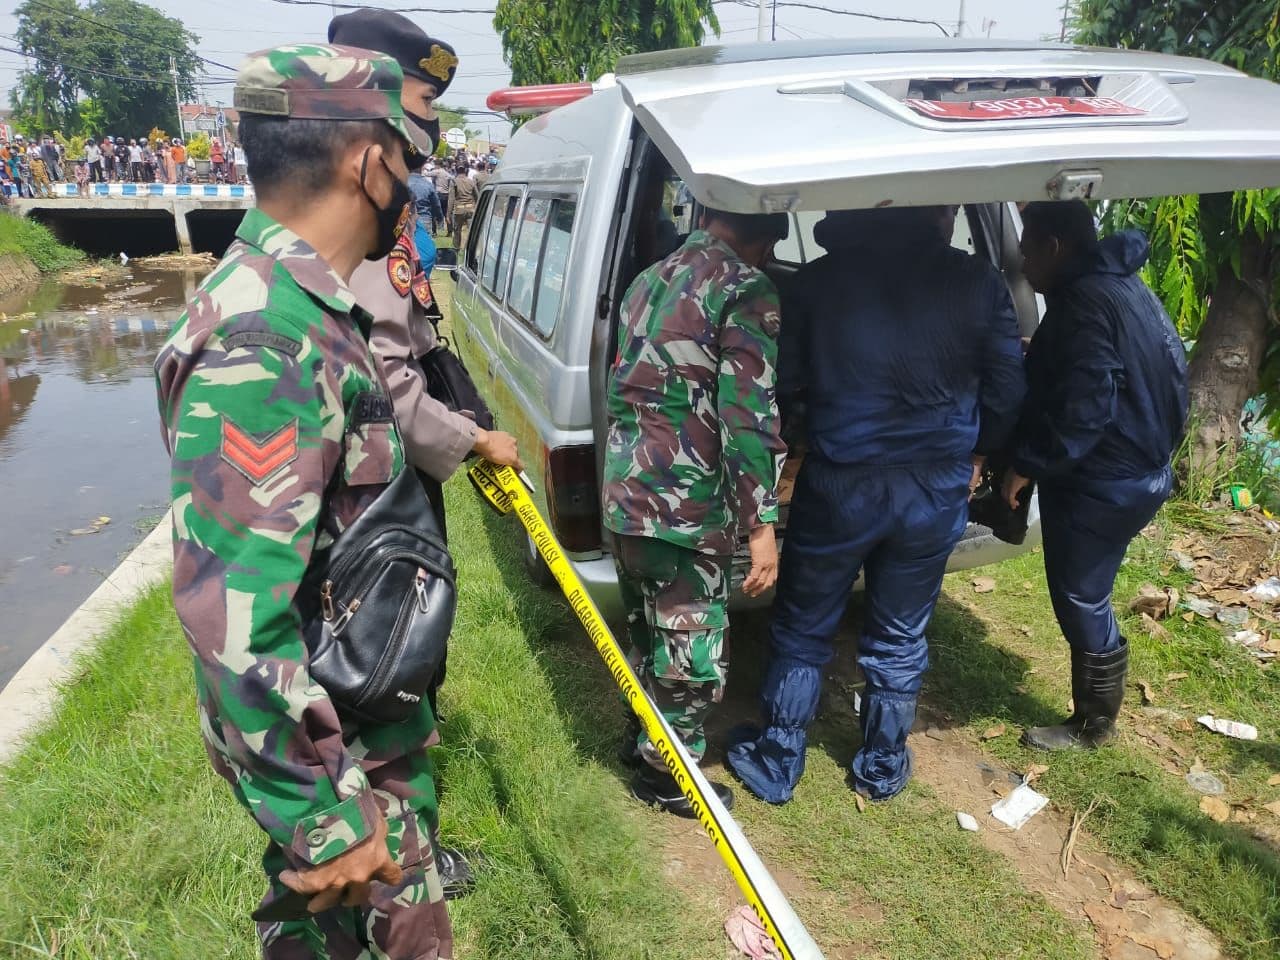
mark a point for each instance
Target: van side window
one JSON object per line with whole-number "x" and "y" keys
{"x": 478, "y": 225}
{"x": 541, "y": 259}
{"x": 555, "y": 263}
{"x": 528, "y": 254}
{"x": 497, "y": 251}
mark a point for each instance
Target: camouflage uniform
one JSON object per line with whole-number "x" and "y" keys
{"x": 267, "y": 390}
{"x": 693, "y": 462}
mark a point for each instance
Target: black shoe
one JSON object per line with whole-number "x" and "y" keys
{"x": 629, "y": 747}
{"x": 457, "y": 874}
{"x": 1097, "y": 687}
{"x": 659, "y": 789}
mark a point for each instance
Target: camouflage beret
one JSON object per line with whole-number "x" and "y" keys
{"x": 323, "y": 82}
{"x": 394, "y": 34}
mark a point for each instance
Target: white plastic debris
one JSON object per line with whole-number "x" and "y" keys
{"x": 1019, "y": 807}
{"x": 1229, "y": 728}
{"x": 1233, "y": 616}
{"x": 1247, "y": 638}
{"x": 1206, "y": 783}
{"x": 1205, "y": 608}
{"x": 1268, "y": 591}
{"x": 966, "y": 822}
{"x": 124, "y": 258}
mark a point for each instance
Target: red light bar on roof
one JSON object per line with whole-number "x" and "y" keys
{"x": 524, "y": 101}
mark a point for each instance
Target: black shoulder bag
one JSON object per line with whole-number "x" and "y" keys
{"x": 378, "y": 606}
{"x": 447, "y": 379}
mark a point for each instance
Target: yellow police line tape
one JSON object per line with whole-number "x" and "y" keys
{"x": 503, "y": 489}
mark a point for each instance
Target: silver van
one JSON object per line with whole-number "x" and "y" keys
{"x": 606, "y": 178}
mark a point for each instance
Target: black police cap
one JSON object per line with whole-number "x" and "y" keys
{"x": 397, "y": 36}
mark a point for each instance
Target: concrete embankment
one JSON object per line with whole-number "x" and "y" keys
{"x": 31, "y": 696}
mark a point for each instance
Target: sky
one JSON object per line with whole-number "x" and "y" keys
{"x": 230, "y": 28}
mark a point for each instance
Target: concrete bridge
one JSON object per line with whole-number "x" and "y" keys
{"x": 143, "y": 218}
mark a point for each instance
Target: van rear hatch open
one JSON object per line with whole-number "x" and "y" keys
{"x": 827, "y": 125}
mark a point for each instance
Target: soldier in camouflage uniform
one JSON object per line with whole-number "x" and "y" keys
{"x": 693, "y": 461}
{"x": 281, "y": 433}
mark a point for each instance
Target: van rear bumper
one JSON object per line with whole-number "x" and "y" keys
{"x": 978, "y": 548}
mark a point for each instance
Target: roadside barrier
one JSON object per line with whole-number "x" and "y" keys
{"x": 503, "y": 489}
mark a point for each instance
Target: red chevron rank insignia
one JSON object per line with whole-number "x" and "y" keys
{"x": 259, "y": 460}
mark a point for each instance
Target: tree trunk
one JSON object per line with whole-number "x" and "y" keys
{"x": 1227, "y": 359}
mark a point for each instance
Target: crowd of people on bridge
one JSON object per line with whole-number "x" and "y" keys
{"x": 31, "y": 167}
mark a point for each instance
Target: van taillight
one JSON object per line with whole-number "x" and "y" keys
{"x": 573, "y": 497}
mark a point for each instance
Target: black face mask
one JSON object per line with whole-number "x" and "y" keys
{"x": 430, "y": 127}
{"x": 391, "y": 218}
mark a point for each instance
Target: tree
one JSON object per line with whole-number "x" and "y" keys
{"x": 561, "y": 41}
{"x": 1216, "y": 257}
{"x": 450, "y": 117}
{"x": 115, "y": 53}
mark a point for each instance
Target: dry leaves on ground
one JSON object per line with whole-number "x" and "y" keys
{"x": 984, "y": 584}
{"x": 1217, "y": 810}
{"x": 994, "y": 731}
{"x": 1155, "y": 602}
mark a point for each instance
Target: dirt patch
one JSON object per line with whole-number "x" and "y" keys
{"x": 1130, "y": 921}
{"x": 691, "y": 862}
{"x": 16, "y": 272}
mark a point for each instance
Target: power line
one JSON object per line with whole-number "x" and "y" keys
{"x": 361, "y": 6}
{"x": 96, "y": 73}
{"x": 123, "y": 33}
{"x": 78, "y": 67}
{"x": 797, "y": 4}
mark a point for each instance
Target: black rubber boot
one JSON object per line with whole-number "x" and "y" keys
{"x": 457, "y": 872}
{"x": 659, "y": 789}
{"x": 1097, "y": 686}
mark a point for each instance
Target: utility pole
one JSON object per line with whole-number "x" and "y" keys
{"x": 773, "y": 27}
{"x": 1066, "y": 9}
{"x": 762, "y": 21}
{"x": 177, "y": 97}
{"x": 960, "y": 22}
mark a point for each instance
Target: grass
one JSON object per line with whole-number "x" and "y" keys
{"x": 1247, "y": 463}
{"x": 26, "y": 238}
{"x": 1000, "y": 657}
{"x": 126, "y": 844}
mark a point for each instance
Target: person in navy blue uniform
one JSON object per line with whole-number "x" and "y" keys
{"x": 905, "y": 357}
{"x": 1106, "y": 408}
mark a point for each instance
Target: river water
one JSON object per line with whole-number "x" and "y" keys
{"x": 79, "y": 442}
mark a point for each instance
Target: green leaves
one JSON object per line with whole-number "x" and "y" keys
{"x": 1194, "y": 238}
{"x": 563, "y": 41}
{"x": 115, "y": 52}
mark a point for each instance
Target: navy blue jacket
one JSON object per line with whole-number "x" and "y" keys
{"x": 904, "y": 350}
{"x": 1107, "y": 374}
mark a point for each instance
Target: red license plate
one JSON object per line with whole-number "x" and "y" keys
{"x": 1023, "y": 108}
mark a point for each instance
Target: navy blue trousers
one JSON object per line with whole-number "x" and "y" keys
{"x": 1087, "y": 528}
{"x": 900, "y": 526}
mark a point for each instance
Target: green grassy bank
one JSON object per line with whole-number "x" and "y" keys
{"x": 33, "y": 241}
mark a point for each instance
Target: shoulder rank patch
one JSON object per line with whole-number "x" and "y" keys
{"x": 259, "y": 460}
{"x": 400, "y": 270}
{"x": 422, "y": 290}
